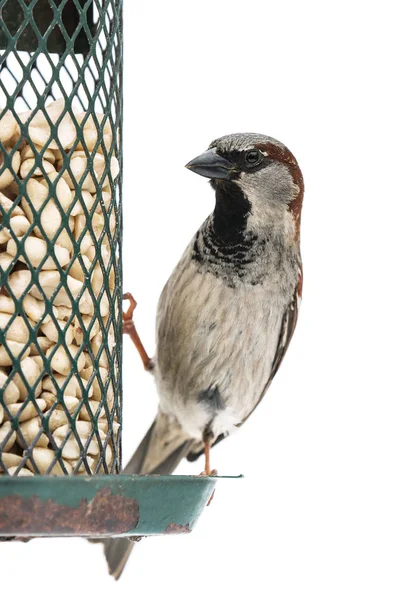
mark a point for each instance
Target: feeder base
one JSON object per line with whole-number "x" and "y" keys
{"x": 101, "y": 505}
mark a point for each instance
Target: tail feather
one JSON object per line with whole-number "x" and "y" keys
{"x": 117, "y": 552}
{"x": 162, "y": 441}
{"x": 159, "y": 453}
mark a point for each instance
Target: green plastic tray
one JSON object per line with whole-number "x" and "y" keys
{"x": 101, "y": 506}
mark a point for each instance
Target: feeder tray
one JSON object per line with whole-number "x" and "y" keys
{"x": 68, "y": 53}
{"x": 101, "y": 505}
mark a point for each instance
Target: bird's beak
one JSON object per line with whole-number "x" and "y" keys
{"x": 212, "y": 165}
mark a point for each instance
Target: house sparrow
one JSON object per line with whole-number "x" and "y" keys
{"x": 227, "y": 313}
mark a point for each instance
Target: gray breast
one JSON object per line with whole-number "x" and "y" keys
{"x": 217, "y": 337}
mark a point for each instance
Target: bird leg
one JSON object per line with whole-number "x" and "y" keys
{"x": 207, "y": 440}
{"x": 207, "y": 449}
{"x": 128, "y": 327}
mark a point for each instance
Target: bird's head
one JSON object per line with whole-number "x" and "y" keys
{"x": 258, "y": 171}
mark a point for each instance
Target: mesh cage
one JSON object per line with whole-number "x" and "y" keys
{"x": 60, "y": 236}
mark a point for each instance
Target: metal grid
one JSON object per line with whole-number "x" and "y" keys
{"x": 84, "y": 85}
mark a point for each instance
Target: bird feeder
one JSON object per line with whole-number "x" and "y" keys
{"x": 61, "y": 283}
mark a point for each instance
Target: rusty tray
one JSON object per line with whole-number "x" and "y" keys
{"x": 102, "y": 505}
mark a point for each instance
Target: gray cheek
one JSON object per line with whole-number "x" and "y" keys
{"x": 282, "y": 191}
{"x": 281, "y": 184}
{"x": 274, "y": 184}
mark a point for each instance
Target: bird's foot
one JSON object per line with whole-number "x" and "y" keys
{"x": 128, "y": 327}
{"x": 208, "y": 472}
{"x": 127, "y": 316}
{"x": 211, "y": 473}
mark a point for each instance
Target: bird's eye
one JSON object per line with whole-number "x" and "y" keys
{"x": 253, "y": 157}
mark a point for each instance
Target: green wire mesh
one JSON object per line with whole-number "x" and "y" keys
{"x": 60, "y": 236}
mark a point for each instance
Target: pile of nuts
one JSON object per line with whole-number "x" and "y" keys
{"x": 43, "y": 421}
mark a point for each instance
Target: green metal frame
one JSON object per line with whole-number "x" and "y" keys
{"x": 93, "y": 81}
{"x": 14, "y": 14}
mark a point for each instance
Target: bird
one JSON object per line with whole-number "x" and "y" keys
{"x": 227, "y": 313}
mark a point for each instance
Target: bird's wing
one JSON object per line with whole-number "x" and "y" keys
{"x": 289, "y": 321}
{"x": 288, "y": 326}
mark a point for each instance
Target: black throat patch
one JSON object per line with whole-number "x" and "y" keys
{"x": 223, "y": 245}
{"x": 231, "y": 212}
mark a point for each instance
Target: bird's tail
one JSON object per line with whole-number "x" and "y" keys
{"x": 160, "y": 452}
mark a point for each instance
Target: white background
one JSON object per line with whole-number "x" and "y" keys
{"x": 317, "y": 515}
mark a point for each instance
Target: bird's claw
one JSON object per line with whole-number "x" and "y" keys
{"x": 128, "y": 327}
{"x": 127, "y": 316}
{"x": 211, "y": 473}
